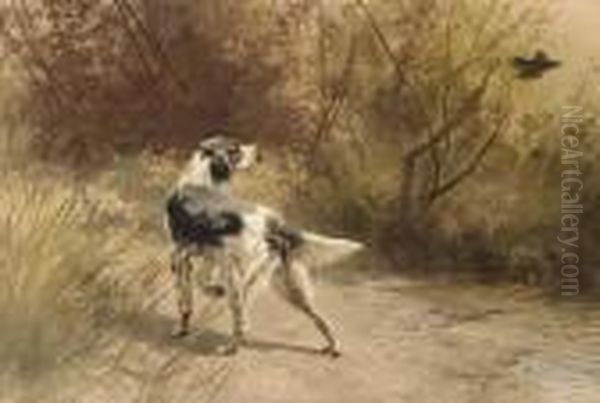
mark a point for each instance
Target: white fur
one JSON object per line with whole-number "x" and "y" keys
{"x": 320, "y": 250}
{"x": 247, "y": 260}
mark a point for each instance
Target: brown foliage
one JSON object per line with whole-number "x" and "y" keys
{"x": 125, "y": 75}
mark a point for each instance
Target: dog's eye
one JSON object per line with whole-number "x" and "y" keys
{"x": 234, "y": 152}
{"x": 207, "y": 152}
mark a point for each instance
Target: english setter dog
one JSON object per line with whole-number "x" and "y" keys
{"x": 244, "y": 244}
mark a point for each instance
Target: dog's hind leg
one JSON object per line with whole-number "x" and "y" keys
{"x": 292, "y": 281}
{"x": 181, "y": 267}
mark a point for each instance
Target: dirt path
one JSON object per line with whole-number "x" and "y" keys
{"x": 421, "y": 343}
{"x": 403, "y": 342}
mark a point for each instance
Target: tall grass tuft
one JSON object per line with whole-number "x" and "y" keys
{"x": 81, "y": 292}
{"x": 52, "y": 258}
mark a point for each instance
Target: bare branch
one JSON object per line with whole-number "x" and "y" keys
{"x": 464, "y": 112}
{"x": 437, "y": 167}
{"x": 153, "y": 43}
{"x": 334, "y": 106}
{"x": 403, "y": 80}
{"x": 149, "y": 80}
{"x": 471, "y": 166}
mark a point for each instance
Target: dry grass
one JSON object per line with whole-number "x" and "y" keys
{"x": 83, "y": 290}
{"x": 55, "y": 291}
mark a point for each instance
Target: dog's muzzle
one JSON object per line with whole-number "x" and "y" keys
{"x": 220, "y": 169}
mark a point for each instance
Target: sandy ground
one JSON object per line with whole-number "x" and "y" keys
{"x": 403, "y": 341}
{"x": 419, "y": 343}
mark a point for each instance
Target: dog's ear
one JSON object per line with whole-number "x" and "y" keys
{"x": 248, "y": 156}
{"x": 196, "y": 159}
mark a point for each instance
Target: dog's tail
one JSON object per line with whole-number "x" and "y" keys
{"x": 312, "y": 248}
{"x": 320, "y": 250}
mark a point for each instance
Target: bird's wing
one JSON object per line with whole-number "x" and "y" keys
{"x": 520, "y": 60}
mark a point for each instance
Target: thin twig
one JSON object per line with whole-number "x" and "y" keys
{"x": 333, "y": 108}
{"x": 459, "y": 117}
{"x": 472, "y": 165}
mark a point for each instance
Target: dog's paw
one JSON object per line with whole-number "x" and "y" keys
{"x": 215, "y": 290}
{"x": 233, "y": 346}
{"x": 228, "y": 349}
{"x": 331, "y": 351}
{"x": 180, "y": 333}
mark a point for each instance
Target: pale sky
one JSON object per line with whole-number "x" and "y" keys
{"x": 579, "y": 20}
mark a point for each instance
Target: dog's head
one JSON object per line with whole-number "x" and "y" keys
{"x": 222, "y": 156}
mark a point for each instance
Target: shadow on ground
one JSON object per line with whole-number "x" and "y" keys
{"x": 153, "y": 329}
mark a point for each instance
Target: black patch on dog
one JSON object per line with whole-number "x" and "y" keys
{"x": 283, "y": 239}
{"x": 198, "y": 220}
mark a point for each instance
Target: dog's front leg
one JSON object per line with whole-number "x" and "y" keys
{"x": 214, "y": 286}
{"x": 181, "y": 267}
{"x": 236, "y": 305}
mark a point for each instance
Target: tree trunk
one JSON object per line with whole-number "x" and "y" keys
{"x": 406, "y": 204}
